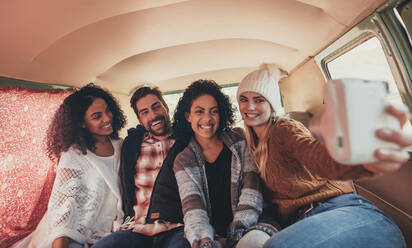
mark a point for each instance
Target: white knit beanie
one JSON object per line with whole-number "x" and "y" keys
{"x": 265, "y": 82}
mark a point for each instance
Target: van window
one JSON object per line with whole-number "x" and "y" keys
{"x": 404, "y": 14}
{"x": 366, "y": 61}
{"x": 171, "y": 100}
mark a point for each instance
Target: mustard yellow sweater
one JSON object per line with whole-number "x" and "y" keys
{"x": 300, "y": 171}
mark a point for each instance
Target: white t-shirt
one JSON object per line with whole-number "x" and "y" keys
{"x": 109, "y": 198}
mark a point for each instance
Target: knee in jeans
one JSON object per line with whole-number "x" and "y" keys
{"x": 254, "y": 238}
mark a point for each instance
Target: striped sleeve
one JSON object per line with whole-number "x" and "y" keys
{"x": 195, "y": 217}
{"x": 250, "y": 201}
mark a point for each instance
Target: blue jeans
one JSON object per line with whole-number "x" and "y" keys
{"x": 345, "y": 221}
{"x": 129, "y": 239}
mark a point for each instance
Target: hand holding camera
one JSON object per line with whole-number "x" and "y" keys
{"x": 358, "y": 127}
{"x": 392, "y": 159}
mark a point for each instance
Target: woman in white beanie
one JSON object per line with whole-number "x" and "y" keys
{"x": 314, "y": 205}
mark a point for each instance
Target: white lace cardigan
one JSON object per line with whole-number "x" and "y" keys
{"x": 85, "y": 203}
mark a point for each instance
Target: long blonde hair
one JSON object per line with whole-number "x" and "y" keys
{"x": 263, "y": 81}
{"x": 259, "y": 148}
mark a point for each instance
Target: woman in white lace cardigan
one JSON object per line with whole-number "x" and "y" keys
{"x": 85, "y": 201}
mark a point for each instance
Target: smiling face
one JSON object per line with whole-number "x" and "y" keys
{"x": 204, "y": 117}
{"x": 98, "y": 119}
{"x": 255, "y": 109}
{"x": 153, "y": 115}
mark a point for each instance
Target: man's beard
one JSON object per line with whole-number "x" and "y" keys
{"x": 166, "y": 126}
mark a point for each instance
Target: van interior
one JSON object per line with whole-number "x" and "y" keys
{"x": 51, "y": 47}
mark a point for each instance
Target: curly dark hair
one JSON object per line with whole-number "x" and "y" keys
{"x": 66, "y": 128}
{"x": 181, "y": 127}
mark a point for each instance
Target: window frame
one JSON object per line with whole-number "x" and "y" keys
{"x": 384, "y": 25}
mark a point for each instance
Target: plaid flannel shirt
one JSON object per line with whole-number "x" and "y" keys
{"x": 152, "y": 154}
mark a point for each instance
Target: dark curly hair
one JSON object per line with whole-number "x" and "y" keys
{"x": 181, "y": 127}
{"x": 66, "y": 128}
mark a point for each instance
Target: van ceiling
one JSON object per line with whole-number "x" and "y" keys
{"x": 121, "y": 43}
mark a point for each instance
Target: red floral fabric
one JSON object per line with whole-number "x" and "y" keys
{"x": 26, "y": 172}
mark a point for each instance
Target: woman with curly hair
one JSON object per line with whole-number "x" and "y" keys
{"x": 85, "y": 202}
{"x": 217, "y": 180}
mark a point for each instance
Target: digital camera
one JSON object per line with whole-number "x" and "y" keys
{"x": 354, "y": 110}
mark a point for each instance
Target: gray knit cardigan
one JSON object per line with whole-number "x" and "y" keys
{"x": 246, "y": 198}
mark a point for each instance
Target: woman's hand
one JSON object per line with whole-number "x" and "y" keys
{"x": 392, "y": 159}
{"x": 62, "y": 242}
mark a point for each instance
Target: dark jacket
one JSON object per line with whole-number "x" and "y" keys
{"x": 129, "y": 154}
{"x": 165, "y": 201}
